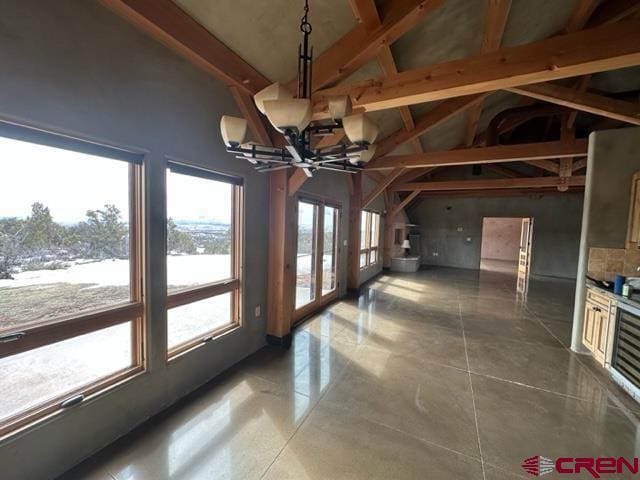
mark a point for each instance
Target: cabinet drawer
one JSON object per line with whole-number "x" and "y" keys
{"x": 597, "y": 298}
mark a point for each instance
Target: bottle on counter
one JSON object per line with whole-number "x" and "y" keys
{"x": 627, "y": 290}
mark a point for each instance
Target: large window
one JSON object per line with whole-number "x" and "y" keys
{"x": 369, "y": 238}
{"x": 70, "y": 272}
{"x": 203, "y": 255}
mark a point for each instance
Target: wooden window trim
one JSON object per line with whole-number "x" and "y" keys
{"x": 367, "y": 235}
{"x": 233, "y": 285}
{"x": 50, "y": 331}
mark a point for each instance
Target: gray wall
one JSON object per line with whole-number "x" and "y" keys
{"x": 556, "y": 231}
{"x": 616, "y": 157}
{"x": 74, "y": 67}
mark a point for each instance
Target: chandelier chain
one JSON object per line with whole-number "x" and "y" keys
{"x": 305, "y": 26}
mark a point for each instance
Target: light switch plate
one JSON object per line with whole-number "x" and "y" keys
{"x": 257, "y": 310}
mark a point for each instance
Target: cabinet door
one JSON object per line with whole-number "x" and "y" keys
{"x": 588, "y": 332}
{"x": 601, "y": 336}
{"x": 633, "y": 227}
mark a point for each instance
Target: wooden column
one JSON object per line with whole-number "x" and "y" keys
{"x": 388, "y": 239}
{"x": 355, "y": 212}
{"x": 280, "y": 286}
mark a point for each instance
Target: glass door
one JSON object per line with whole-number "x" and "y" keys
{"x": 316, "y": 254}
{"x": 306, "y": 254}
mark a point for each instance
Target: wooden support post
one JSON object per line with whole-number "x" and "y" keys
{"x": 388, "y": 239}
{"x": 281, "y": 252}
{"x": 355, "y": 212}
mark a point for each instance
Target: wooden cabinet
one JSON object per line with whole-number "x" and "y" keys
{"x": 599, "y": 317}
{"x": 633, "y": 227}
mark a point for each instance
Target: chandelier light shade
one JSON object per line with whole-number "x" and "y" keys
{"x": 293, "y": 113}
{"x": 233, "y": 130}
{"x": 339, "y": 107}
{"x": 360, "y": 129}
{"x": 275, "y": 91}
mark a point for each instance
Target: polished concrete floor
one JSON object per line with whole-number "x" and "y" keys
{"x": 441, "y": 374}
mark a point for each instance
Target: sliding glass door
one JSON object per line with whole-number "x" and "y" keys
{"x": 316, "y": 254}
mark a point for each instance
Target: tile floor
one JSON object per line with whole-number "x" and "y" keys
{"x": 442, "y": 374}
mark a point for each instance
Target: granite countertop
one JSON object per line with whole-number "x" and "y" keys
{"x": 634, "y": 301}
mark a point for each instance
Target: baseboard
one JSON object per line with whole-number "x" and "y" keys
{"x": 281, "y": 342}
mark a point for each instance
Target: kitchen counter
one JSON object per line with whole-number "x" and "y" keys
{"x": 634, "y": 301}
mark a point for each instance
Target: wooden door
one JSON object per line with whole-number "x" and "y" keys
{"x": 588, "y": 329}
{"x": 524, "y": 258}
{"x": 600, "y": 335}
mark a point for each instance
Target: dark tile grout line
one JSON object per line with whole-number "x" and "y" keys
{"x": 295, "y": 431}
{"x": 473, "y": 396}
{"x": 578, "y": 358}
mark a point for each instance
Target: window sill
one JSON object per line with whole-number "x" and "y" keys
{"x": 53, "y": 409}
{"x": 211, "y": 337}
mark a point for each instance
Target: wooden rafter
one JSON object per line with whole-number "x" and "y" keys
{"x": 613, "y": 11}
{"x": 500, "y": 183}
{"x": 360, "y": 45}
{"x": 494, "y": 25}
{"x": 473, "y": 156}
{"x": 610, "y": 47}
{"x": 247, "y": 107}
{"x": 330, "y": 140}
{"x": 548, "y": 165}
{"x": 579, "y": 164}
{"x": 168, "y": 23}
{"x": 438, "y": 115}
{"x": 505, "y": 192}
{"x": 296, "y": 180}
{"x": 583, "y": 101}
{"x": 366, "y": 13}
{"x": 388, "y": 66}
{"x": 380, "y": 187}
{"x": 397, "y": 208}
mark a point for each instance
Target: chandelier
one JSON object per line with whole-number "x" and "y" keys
{"x": 292, "y": 116}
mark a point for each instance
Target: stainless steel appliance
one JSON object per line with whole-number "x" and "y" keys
{"x": 625, "y": 359}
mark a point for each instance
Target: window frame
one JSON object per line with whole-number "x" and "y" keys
{"x": 368, "y": 233}
{"x": 53, "y": 330}
{"x": 233, "y": 284}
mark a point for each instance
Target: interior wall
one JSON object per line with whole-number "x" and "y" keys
{"x": 500, "y": 238}
{"x": 78, "y": 69}
{"x": 451, "y": 230}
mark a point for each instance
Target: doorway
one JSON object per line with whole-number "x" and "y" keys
{"x": 317, "y": 253}
{"x": 506, "y": 245}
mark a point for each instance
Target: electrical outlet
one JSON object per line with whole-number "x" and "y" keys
{"x": 345, "y": 243}
{"x": 257, "y": 310}
{"x": 435, "y": 254}
{"x": 459, "y": 229}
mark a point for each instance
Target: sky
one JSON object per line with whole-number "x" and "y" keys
{"x": 70, "y": 183}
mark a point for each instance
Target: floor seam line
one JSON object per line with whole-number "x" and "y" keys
{"x": 473, "y": 396}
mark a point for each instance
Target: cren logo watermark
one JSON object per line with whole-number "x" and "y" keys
{"x": 595, "y": 466}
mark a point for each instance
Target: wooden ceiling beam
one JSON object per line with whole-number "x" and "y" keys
{"x": 169, "y": 24}
{"x": 296, "y": 180}
{"x": 380, "y": 187}
{"x": 507, "y": 192}
{"x": 366, "y": 13}
{"x": 473, "y": 156}
{"x": 580, "y": 15}
{"x": 397, "y": 208}
{"x": 499, "y": 183}
{"x": 249, "y": 111}
{"x": 494, "y": 24}
{"x": 388, "y": 66}
{"x": 434, "y": 117}
{"x": 581, "y": 100}
{"x": 548, "y": 165}
{"x": 330, "y": 140}
{"x": 360, "y": 45}
{"x": 610, "y": 47}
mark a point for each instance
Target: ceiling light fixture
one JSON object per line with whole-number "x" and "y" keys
{"x": 292, "y": 116}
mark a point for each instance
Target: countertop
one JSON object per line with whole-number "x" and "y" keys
{"x": 634, "y": 301}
